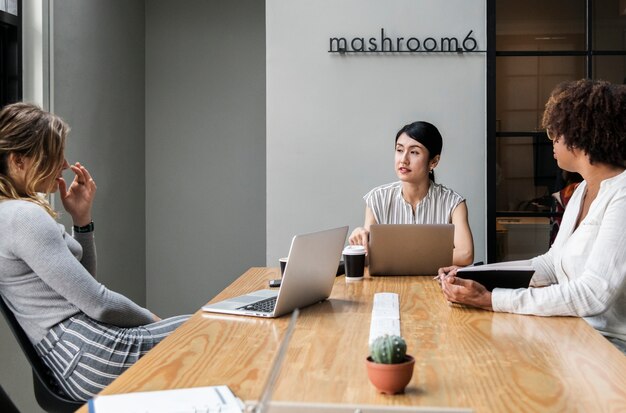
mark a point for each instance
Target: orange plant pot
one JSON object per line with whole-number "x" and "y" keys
{"x": 390, "y": 378}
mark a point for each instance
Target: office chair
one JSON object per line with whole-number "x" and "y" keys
{"x": 6, "y": 404}
{"x": 48, "y": 396}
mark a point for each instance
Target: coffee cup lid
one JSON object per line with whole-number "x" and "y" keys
{"x": 354, "y": 250}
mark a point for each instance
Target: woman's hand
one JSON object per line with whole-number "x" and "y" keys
{"x": 447, "y": 271}
{"x": 78, "y": 199}
{"x": 462, "y": 291}
{"x": 360, "y": 236}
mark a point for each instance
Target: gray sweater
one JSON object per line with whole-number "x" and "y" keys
{"x": 47, "y": 276}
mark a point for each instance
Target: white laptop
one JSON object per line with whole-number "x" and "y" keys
{"x": 309, "y": 277}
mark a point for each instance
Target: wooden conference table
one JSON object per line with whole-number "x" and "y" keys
{"x": 465, "y": 357}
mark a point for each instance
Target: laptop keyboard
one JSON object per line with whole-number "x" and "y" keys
{"x": 264, "y": 306}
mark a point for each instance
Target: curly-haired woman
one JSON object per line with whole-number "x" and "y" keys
{"x": 85, "y": 333}
{"x": 584, "y": 272}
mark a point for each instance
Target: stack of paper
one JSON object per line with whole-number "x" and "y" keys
{"x": 385, "y": 316}
{"x": 199, "y": 399}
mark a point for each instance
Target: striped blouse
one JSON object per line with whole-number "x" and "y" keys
{"x": 389, "y": 207}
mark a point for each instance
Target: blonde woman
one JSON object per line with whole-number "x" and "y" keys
{"x": 85, "y": 333}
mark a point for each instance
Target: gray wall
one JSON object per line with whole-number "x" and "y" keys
{"x": 99, "y": 90}
{"x": 205, "y": 148}
{"x": 332, "y": 119}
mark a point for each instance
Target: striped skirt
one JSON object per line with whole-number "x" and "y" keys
{"x": 619, "y": 344}
{"x": 85, "y": 355}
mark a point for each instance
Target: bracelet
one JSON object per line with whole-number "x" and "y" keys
{"x": 87, "y": 228}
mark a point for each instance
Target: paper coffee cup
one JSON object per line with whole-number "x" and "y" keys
{"x": 354, "y": 259}
{"x": 283, "y": 264}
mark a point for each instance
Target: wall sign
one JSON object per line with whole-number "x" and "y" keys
{"x": 386, "y": 44}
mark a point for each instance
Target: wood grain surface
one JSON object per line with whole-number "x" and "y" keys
{"x": 465, "y": 357}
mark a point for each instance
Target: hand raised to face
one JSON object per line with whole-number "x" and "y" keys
{"x": 78, "y": 198}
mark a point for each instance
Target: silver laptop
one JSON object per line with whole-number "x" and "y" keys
{"x": 410, "y": 249}
{"x": 309, "y": 277}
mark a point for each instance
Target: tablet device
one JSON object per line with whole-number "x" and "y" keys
{"x": 498, "y": 277}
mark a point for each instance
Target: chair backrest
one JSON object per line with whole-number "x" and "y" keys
{"x": 46, "y": 392}
{"x": 6, "y": 404}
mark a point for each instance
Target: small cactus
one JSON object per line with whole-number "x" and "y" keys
{"x": 388, "y": 349}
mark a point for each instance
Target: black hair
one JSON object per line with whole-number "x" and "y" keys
{"x": 428, "y": 135}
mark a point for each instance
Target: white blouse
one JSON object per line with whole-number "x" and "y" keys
{"x": 584, "y": 273}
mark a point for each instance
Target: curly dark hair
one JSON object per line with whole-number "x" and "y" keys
{"x": 590, "y": 115}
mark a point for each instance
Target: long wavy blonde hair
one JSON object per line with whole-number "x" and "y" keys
{"x": 27, "y": 130}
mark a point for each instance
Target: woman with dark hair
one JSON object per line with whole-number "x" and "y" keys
{"x": 584, "y": 272}
{"x": 416, "y": 198}
{"x": 85, "y": 333}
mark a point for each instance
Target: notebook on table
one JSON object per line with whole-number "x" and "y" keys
{"x": 410, "y": 249}
{"x": 499, "y": 275}
{"x": 309, "y": 277}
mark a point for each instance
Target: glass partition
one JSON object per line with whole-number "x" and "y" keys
{"x": 609, "y": 25}
{"x": 538, "y": 44}
{"x": 523, "y": 85}
{"x": 540, "y": 25}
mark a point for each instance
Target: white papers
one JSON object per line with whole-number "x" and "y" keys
{"x": 385, "y": 316}
{"x": 195, "y": 400}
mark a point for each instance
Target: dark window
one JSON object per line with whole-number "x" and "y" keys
{"x": 532, "y": 46}
{"x": 10, "y": 56}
